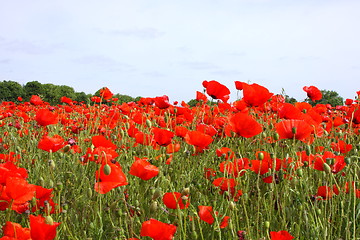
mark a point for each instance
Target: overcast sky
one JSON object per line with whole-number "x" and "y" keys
{"x": 154, "y": 47}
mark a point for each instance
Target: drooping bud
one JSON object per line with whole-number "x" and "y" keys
{"x": 327, "y": 168}
{"x": 107, "y": 169}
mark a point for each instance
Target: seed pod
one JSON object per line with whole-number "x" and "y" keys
{"x": 107, "y": 169}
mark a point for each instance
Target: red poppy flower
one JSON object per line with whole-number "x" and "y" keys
{"x": 225, "y": 184}
{"x": 45, "y": 117}
{"x": 216, "y": 90}
{"x": 36, "y": 100}
{"x": 260, "y": 166}
{"x": 52, "y": 144}
{"x": 143, "y": 169}
{"x": 236, "y": 167}
{"x": 341, "y": 146}
{"x": 106, "y": 182}
{"x": 162, "y": 102}
{"x": 171, "y": 148}
{"x": 16, "y": 231}
{"x": 225, "y": 152}
{"x": 324, "y": 192}
{"x": 20, "y": 99}
{"x": 313, "y": 93}
{"x": 17, "y": 190}
{"x": 64, "y": 99}
{"x": 206, "y": 214}
{"x": 162, "y": 137}
{"x": 290, "y": 129}
{"x": 101, "y": 141}
{"x": 181, "y": 131}
{"x": 289, "y": 111}
{"x": 239, "y": 85}
{"x": 157, "y": 230}
{"x": 40, "y": 230}
{"x": 198, "y": 139}
{"x": 224, "y": 222}
{"x": 208, "y": 129}
{"x": 201, "y": 97}
{"x": 105, "y": 93}
{"x": 244, "y": 125}
{"x": 173, "y": 200}
{"x": 281, "y": 235}
{"x": 255, "y": 95}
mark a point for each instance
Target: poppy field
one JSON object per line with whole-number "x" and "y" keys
{"x": 255, "y": 168}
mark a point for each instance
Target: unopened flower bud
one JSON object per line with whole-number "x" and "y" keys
{"x": 107, "y": 169}
{"x": 185, "y": 191}
{"x": 49, "y": 220}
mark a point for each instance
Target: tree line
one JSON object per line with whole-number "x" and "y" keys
{"x": 51, "y": 93}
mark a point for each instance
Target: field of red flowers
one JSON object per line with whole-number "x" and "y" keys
{"x": 256, "y": 168}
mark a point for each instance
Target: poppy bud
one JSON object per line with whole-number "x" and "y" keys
{"x": 245, "y": 196}
{"x": 299, "y": 172}
{"x": 276, "y": 136}
{"x": 156, "y": 194}
{"x": 52, "y": 164}
{"x": 308, "y": 150}
{"x": 42, "y": 182}
{"x": 113, "y": 206}
{"x": 267, "y": 224}
{"x": 51, "y": 184}
{"x": 330, "y": 161}
{"x": 153, "y": 206}
{"x": 49, "y": 220}
{"x": 318, "y": 211}
{"x": 260, "y": 155}
{"x": 347, "y": 160}
{"x": 89, "y": 192}
{"x": 194, "y": 235}
{"x": 148, "y": 123}
{"x": 107, "y": 169}
{"x": 327, "y": 168}
{"x": 33, "y": 201}
{"x": 59, "y": 186}
{"x": 293, "y": 130}
{"x": 67, "y": 148}
{"x": 185, "y": 191}
{"x": 232, "y": 205}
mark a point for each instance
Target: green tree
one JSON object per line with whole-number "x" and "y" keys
{"x": 82, "y": 97}
{"x": 290, "y": 99}
{"x": 328, "y": 97}
{"x": 10, "y": 90}
{"x": 33, "y": 88}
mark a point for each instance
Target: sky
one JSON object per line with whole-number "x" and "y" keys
{"x": 153, "y": 48}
